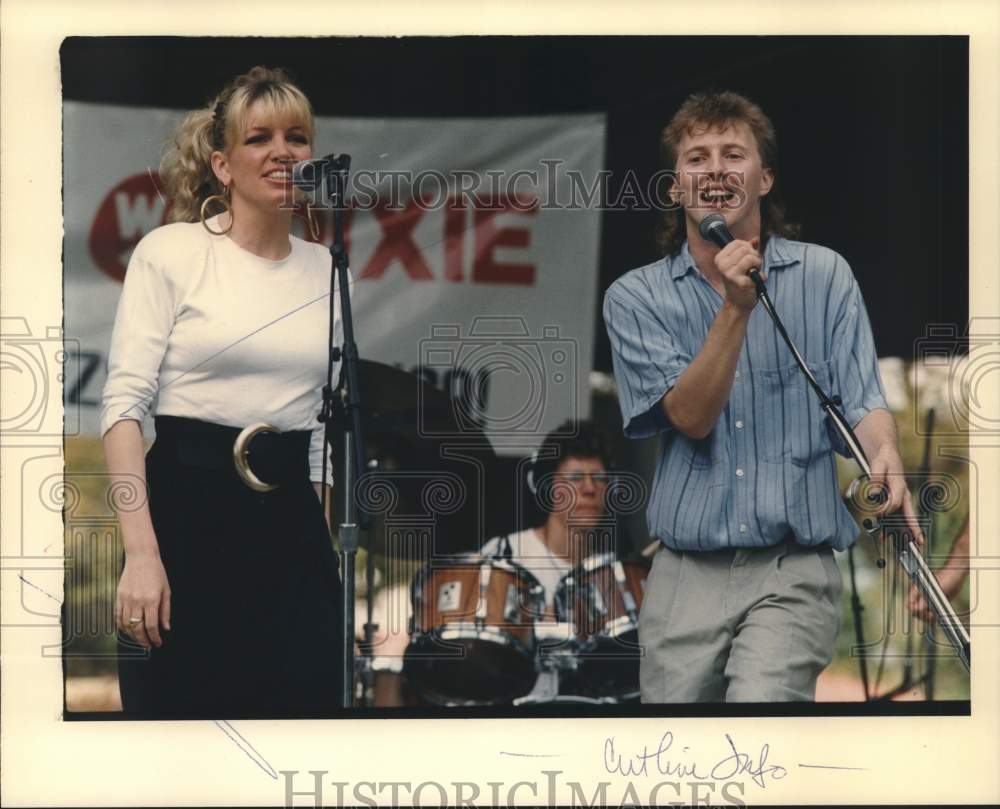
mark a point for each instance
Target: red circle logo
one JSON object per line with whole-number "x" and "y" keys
{"x": 130, "y": 210}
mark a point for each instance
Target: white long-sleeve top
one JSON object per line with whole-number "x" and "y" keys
{"x": 209, "y": 331}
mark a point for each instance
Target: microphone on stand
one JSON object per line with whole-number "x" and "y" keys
{"x": 309, "y": 174}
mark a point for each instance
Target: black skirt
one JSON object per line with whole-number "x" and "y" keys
{"x": 256, "y": 594}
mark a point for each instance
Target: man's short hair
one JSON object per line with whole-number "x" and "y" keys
{"x": 703, "y": 112}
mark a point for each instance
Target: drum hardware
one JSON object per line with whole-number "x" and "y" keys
{"x": 627, "y": 598}
{"x": 363, "y": 677}
{"x": 601, "y": 598}
{"x": 557, "y": 655}
{"x": 557, "y": 646}
{"x": 511, "y": 603}
{"x": 484, "y": 585}
{"x": 650, "y": 550}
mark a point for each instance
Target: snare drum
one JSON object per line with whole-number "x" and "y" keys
{"x": 602, "y": 597}
{"x": 472, "y": 632}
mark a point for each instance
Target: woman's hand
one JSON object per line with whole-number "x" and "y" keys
{"x": 142, "y": 606}
{"x": 327, "y": 502}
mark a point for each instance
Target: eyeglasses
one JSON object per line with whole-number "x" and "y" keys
{"x": 576, "y": 478}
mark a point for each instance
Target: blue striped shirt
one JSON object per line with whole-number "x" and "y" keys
{"x": 767, "y": 467}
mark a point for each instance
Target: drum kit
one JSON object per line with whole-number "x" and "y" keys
{"x": 479, "y": 636}
{"x": 479, "y": 633}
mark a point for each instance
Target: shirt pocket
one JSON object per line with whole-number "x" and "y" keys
{"x": 791, "y": 425}
{"x": 696, "y": 453}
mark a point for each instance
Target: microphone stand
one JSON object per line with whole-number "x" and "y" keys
{"x": 905, "y": 548}
{"x": 926, "y": 678}
{"x": 929, "y": 639}
{"x": 335, "y": 175}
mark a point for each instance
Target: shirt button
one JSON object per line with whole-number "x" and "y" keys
{"x": 739, "y": 473}
{"x": 737, "y": 374}
{"x": 743, "y": 528}
{"x": 739, "y": 425}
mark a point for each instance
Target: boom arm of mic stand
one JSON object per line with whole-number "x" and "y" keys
{"x": 908, "y": 555}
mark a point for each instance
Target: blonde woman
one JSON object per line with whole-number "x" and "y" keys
{"x": 229, "y": 598}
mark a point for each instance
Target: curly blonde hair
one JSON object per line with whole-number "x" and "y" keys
{"x": 186, "y": 165}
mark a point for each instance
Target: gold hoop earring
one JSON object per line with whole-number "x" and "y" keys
{"x": 224, "y": 199}
{"x": 311, "y": 219}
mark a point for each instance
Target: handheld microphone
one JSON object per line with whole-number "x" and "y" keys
{"x": 713, "y": 228}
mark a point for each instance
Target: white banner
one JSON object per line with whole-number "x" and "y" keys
{"x": 471, "y": 265}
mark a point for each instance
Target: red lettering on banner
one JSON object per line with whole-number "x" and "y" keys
{"x": 129, "y": 211}
{"x": 454, "y": 227}
{"x": 485, "y": 268}
{"x": 397, "y": 243}
{"x": 346, "y": 223}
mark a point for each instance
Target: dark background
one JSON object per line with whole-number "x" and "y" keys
{"x": 873, "y": 131}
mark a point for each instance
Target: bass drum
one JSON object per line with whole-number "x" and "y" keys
{"x": 601, "y": 597}
{"x": 472, "y": 632}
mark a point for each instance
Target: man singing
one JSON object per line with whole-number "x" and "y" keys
{"x": 743, "y": 602}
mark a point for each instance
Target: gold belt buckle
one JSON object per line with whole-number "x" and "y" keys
{"x": 241, "y": 456}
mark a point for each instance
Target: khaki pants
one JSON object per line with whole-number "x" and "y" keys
{"x": 747, "y": 625}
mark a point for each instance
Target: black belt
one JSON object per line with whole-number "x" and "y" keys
{"x": 260, "y": 456}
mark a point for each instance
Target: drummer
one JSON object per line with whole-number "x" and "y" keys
{"x": 569, "y": 478}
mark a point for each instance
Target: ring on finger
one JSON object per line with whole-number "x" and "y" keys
{"x": 135, "y": 620}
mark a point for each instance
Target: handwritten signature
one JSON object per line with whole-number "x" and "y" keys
{"x": 732, "y": 766}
